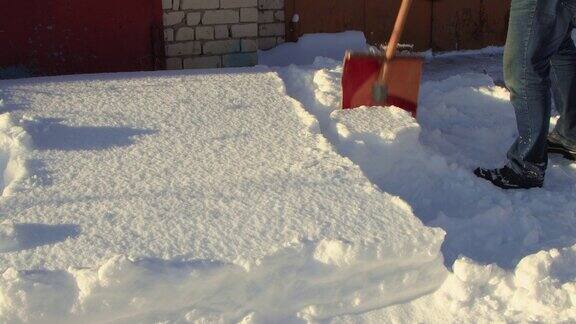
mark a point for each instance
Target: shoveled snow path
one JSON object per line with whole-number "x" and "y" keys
{"x": 216, "y": 185}
{"x": 464, "y": 121}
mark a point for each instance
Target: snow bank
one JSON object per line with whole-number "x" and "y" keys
{"x": 283, "y": 287}
{"x": 463, "y": 121}
{"x": 14, "y": 145}
{"x": 200, "y": 195}
{"x": 310, "y": 46}
{"x": 541, "y": 289}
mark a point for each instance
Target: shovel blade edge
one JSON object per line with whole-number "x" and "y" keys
{"x": 361, "y": 71}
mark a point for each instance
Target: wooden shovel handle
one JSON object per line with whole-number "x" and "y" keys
{"x": 395, "y": 37}
{"x": 398, "y": 29}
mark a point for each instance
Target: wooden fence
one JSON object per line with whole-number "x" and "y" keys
{"x": 438, "y": 24}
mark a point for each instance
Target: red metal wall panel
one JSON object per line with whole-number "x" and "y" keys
{"x": 67, "y": 36}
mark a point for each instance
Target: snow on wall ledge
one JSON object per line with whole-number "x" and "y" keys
{"x": 242, "y": 209}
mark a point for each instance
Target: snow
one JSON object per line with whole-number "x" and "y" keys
{"x": 309, "y": 47}
{"x": 188, "y": 174}
{"x": 247, "y": 196}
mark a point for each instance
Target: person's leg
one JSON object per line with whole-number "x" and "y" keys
{"x": 563, "y": 75}
{"x": 537, "y": 29}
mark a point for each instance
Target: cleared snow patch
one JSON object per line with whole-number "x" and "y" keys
{"x": 464, "y": 121}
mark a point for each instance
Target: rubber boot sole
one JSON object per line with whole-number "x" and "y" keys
{"x": 559, "y": 149}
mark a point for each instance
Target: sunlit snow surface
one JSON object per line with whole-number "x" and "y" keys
{"x": 246, "y": 195}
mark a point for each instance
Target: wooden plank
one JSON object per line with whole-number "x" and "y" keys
{"x": 328, "y": 16}
{"x": 289, "y": 11}
{"x": 381, "y": 15}
{"x": 456, "y": 25}
{"x": 439, "y": 24}
{"x": 494, "y": 16}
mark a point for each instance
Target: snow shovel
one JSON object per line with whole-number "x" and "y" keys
{"x": 383, "y": 80}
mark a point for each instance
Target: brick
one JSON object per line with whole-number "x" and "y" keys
{"x": 222, "y": 46}
{"x": 193, "y": 18}
{"x": 245, "y": 30}
{"x": 248, "y": 15}
{"x": 187, "y": 48}
{"x": 168, "y": 35}
{"x": 240, "y": 59}
{"x": 266, "y": 16}
{"x": 279, "y": 15}
{"x": 203, "y": 62}
{"x": 173, "y": 63}
{"x": 213, "y": 17}
{"x": 176, "y": 5}
{"x": 270, "y": 4}
{"x": 205, "y": 32}
{"x": 276, "y": 29}
{"x": 221, "y": 31}
{"x": 249, "y": 45}
{"x": 184, "y": 34}
{"x": 224, "y": 4}
{"x": 166, "y": 4}
{"x": 199, "y": 4}
{"x": 266, "y": 43}
{"x": 173, "y": 18}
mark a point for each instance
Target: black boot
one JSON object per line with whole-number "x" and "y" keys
{"x": 506, "y": 178}
{"x": 555, "y": 146}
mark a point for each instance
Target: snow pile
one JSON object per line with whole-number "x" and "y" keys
{"x": 8, "y": 237}
{"x": 308, "y": 47}
{"x": 463, "y": 121}
{"x": 541, "y": 289}
{"x": 198, "y": 195}
{"x": 14, "y": 145}
{"x": 286, "y": 286}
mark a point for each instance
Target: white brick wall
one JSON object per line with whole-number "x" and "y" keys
{"x": 199, "y": 4}
{"x": 166, "y": 4}
{"x": 220, "y": 33}
{"x": 173, "y": 18}
{"x": 238, "y": 3}
{"x": 244, "y": 31}
{"x": 270, "y": 4}
{"x": 205, "y": 32}
{"x": 212, "y": 17}
{"x": 271, "y": 26}
{"x": 193, "y": 18}
{"x": 222, "y": 46}
{"x": 248, "y": 15}
{"x": 184, "y": 34}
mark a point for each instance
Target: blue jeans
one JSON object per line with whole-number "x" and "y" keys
{"x": 540, "y": 62}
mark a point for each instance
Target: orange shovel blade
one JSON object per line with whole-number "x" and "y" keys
{"x": 360, "y": 75}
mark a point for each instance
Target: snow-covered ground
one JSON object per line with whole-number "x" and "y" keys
{"x": 246, "y": 195}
